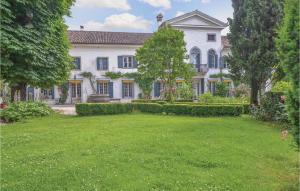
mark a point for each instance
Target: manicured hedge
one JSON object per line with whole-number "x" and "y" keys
{"x": 178, "y": 109}
{"x": 103, "y": 108}
{"x": 246, "y": 107}
{"x": 149, "y": 107}
{"x": 203, "y": 110}
{"x": 148, "y": 101}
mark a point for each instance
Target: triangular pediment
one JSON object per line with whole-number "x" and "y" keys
{"x": 196, "y": 19}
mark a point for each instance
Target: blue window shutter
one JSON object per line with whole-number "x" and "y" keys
{"x": 134, "y": 62}
{"x": 133, "y": 90}
{"x": 78, "y": 63}
{"x": 120, "y": 61}
{"x": 105, "y": 64}
{"x": 198, "y": 62}
{"x": 123, "y": 90}
{"x": 156, "y": 89}
{"x": 210, "y": 60}
{"x": 216, "y": 61}
{"x": 98, "y": 89}
{"x": 98, "y": 63}
{"x": 202, "y": 85}
{"x": 111, "y": 89}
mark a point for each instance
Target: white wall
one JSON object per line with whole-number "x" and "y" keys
{"x": 89, "y": 54}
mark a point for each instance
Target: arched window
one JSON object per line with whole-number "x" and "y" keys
{"x": 212, "y": 59}
{"x": 195, "y": 57}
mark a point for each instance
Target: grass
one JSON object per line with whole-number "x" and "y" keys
{"x": 146, "y": 152}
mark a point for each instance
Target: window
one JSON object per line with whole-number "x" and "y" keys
{"x": 128, "y": 62}
{"x": 212, "y": 59}
{"x": 77, "y": 63}
{"x": 195, "y": 56}
{"x": 211, "y": 37}
{"x": 102, "y": 63}
{"x": 47, "y": 93}
{"x": 102, "y": 87}
{"x": 127, "y": 90}
{"x": 75, "y": 89}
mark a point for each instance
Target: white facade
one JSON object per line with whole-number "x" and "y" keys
{"x": 196, "y": 27}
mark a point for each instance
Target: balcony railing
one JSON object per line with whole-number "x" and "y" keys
{"x": 203, "y": 69}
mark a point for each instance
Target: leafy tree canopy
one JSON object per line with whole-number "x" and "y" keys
{"x": 288, "y": 43}
{"x": 34, "y": 44}
{"x": 253, "y": 33}
{"x": 162, "y": 57}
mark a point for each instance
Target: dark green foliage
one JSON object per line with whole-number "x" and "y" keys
{"x": 178, "y": 109}
{"x": 222, "y": 89}
{"x": 246, "y": 107}
{"x": 149, "y": 107}
{"x": 22, "y": 110}
{"x": 162, "y": 57}
{"x": 148, "y": 101}
{"x": 203, "y": 110}
{"x": 252, "y": 36}
{"x": 271, "y": 108}
{"x": 113, "y": 75}
{"x": 84, "y": 109}
{"x": 288, "y": 50}
{"x": 34, "y": 43}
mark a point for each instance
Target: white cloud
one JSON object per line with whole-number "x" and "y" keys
{"x": 115, "y": 4}
{"x": 178, "y": 13}
{"x": 205, "y": 1}
{"x": 166, "y": 4}
{"x": 122, "y": 21}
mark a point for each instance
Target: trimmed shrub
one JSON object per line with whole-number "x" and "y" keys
{"x": 148, "y": 107}
{"x": 178, "y": 109}
{"x": 23, "y": 110}
{"x": 148, "y": 101}
{"x": 84, "y": 109}
{"x": 203, "y": 110}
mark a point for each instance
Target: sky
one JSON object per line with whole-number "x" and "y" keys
{"x": 139, "y": 15}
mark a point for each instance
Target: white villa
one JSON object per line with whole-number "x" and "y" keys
{"x": 99, "y": 52}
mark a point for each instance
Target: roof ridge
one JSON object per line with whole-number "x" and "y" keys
{"x": 110, "y": 32}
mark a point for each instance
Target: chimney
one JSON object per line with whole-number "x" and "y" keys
{"x": 159, "y": 19}
{"x": 81, "y": 27}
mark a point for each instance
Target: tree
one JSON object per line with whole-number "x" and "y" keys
{"x": 162, "y": 57}
{"x": 34, "y": 44}
{"x": 253, "y": 33}
{"x": 145, "y": 82}
{"x": 288, "y": 50}
{"x": 91, "y": 79}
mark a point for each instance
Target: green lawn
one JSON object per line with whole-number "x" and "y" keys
{"x": 146, "y": 152}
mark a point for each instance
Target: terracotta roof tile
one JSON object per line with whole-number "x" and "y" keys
{"x": 102, "y": 37}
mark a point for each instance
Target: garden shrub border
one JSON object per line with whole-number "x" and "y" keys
{"x": 246, "y": 107}
{"x": 85, "y": 109}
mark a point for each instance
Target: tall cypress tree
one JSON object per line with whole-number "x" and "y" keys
{"x": 253, "y": 33}
{"x": 288, "y": 50}
{"x": 34, "y": 44}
